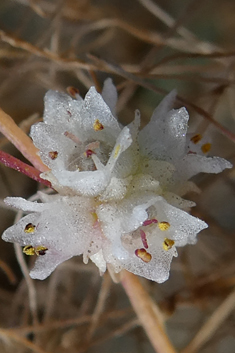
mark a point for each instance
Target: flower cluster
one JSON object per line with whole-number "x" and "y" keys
{"x": 119, "y": 190}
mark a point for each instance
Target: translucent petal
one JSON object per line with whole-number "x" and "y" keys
{"x": 116, "y": 189}
{"x": 165, "y": 106}
{"x": 193, "y": 164}
{"x": 165, "y": 138}
{"x": 50, "y": 139}
{"x": 99, "y": 261}
{"x": 177, "y": 201}
{"x": 24, "y": 205}
{"x": 157, "y": 269}
{"x": 60, "y": 108}
{"x": 128, "y": 162}
{"x": 160, "y": 170}
{"x": 66, "y": 229}
{"x": 94, "y": 108}
{"x": 109, "y": 94}
{"x": 183, "y": 227}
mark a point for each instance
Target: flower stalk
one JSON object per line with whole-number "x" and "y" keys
{"x": 144, "y": 308}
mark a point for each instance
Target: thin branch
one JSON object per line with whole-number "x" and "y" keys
{"x": 10, "y": 274}
{"x": 104, "y": 292}
{"x": 120, "y": 71}
{"x": 29, "y": 282}
{"x": 120, "y": 331}
{"x": 212, "y": 324}
{"x": 6, "y": 334}
{"x": 20, "y": 140}
{"x": 143, "y": 306}
{"x": 63, "y": 324}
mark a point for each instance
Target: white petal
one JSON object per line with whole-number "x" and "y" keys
{"x": 51, "y": 139}
{"x": 165, "y": 106}
{"x": 109, "y": 94}
{"x": 160, "y": 170}
{"x": 165, "y": 138}
{"x": 183, "y": 227}
{"x": 85, "y": 183}
{"x": 128, "y": 162}
{"x": 124, "y": 140}
{"x": 177, "y": 201}
{"x": 67, "y": 228}
{"x": 94, "y": 108}
{"x": 24, "y": 205}
{"x": 60, "y": 108}
{"x": 99, "y": 261}
{"x": 157, "y": 269}
{"x": 193, "y": 164}
{"x": 116, "y": 189}
{"x": 46, "y": 264}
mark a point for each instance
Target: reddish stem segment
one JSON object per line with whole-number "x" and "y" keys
{"x": 15, "y": 163}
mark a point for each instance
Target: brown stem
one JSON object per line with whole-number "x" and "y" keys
{"x": 144, "y": 308}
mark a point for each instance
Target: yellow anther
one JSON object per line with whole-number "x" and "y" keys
{"x": 206, "y": 147}
{"x": 53, "y": 155}
{"x": 167, "y": 244}
{"x": 29, "y": 250}
{"x": 94, "y": 215}
{"x": 143, "y": 255}
{"x": 163, "y": 225}
{"x": 40, "y": 250}
{"x": 97, "y": 126}
{"x": 117, "y": 149}
{"x": 29, "y": 228}
{"x": 196, "y": 138}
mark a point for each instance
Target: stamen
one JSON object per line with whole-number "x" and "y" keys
{"x": 167, "y": 244}
{"x": 144, "y": 238}
{"x": 150, "y": 221}
{"x": 29, "y": 250}
{"x": 206, "y": 147}
{"x": 95, "y": 216}
{"x": 143, "y": 255}
{"x": 97, "y": 126}
{"x": 117, "y": 149}
{"x": 53, "y": 155}
{"x": 93, "y": 145}
{"x": 196, "y": 138}
{"x": 72, "y": 91}
{"x": 89, "y": 153}
{"x": 29, "y": 228}
{"x": 163, "y": 226}
{"x": 40, "y": 250}
{"x": 72, "y": 137}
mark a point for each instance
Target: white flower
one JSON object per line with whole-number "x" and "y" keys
{"x": 119, "y": 190}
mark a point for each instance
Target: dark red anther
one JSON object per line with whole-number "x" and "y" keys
{"x": 150, "y": 221}
{"x": 73, "y": 91}
{"x": 42, "y": 252}
{"x": 89, "y": 153}
{"x": 144, "y": 239}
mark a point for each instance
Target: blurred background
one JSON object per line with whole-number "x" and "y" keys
{"x": 148, "y": 48}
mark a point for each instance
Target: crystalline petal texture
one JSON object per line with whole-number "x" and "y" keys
{"x": 119, "y": 190}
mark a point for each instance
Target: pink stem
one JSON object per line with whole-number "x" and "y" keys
{"x": 15, "y": 163}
